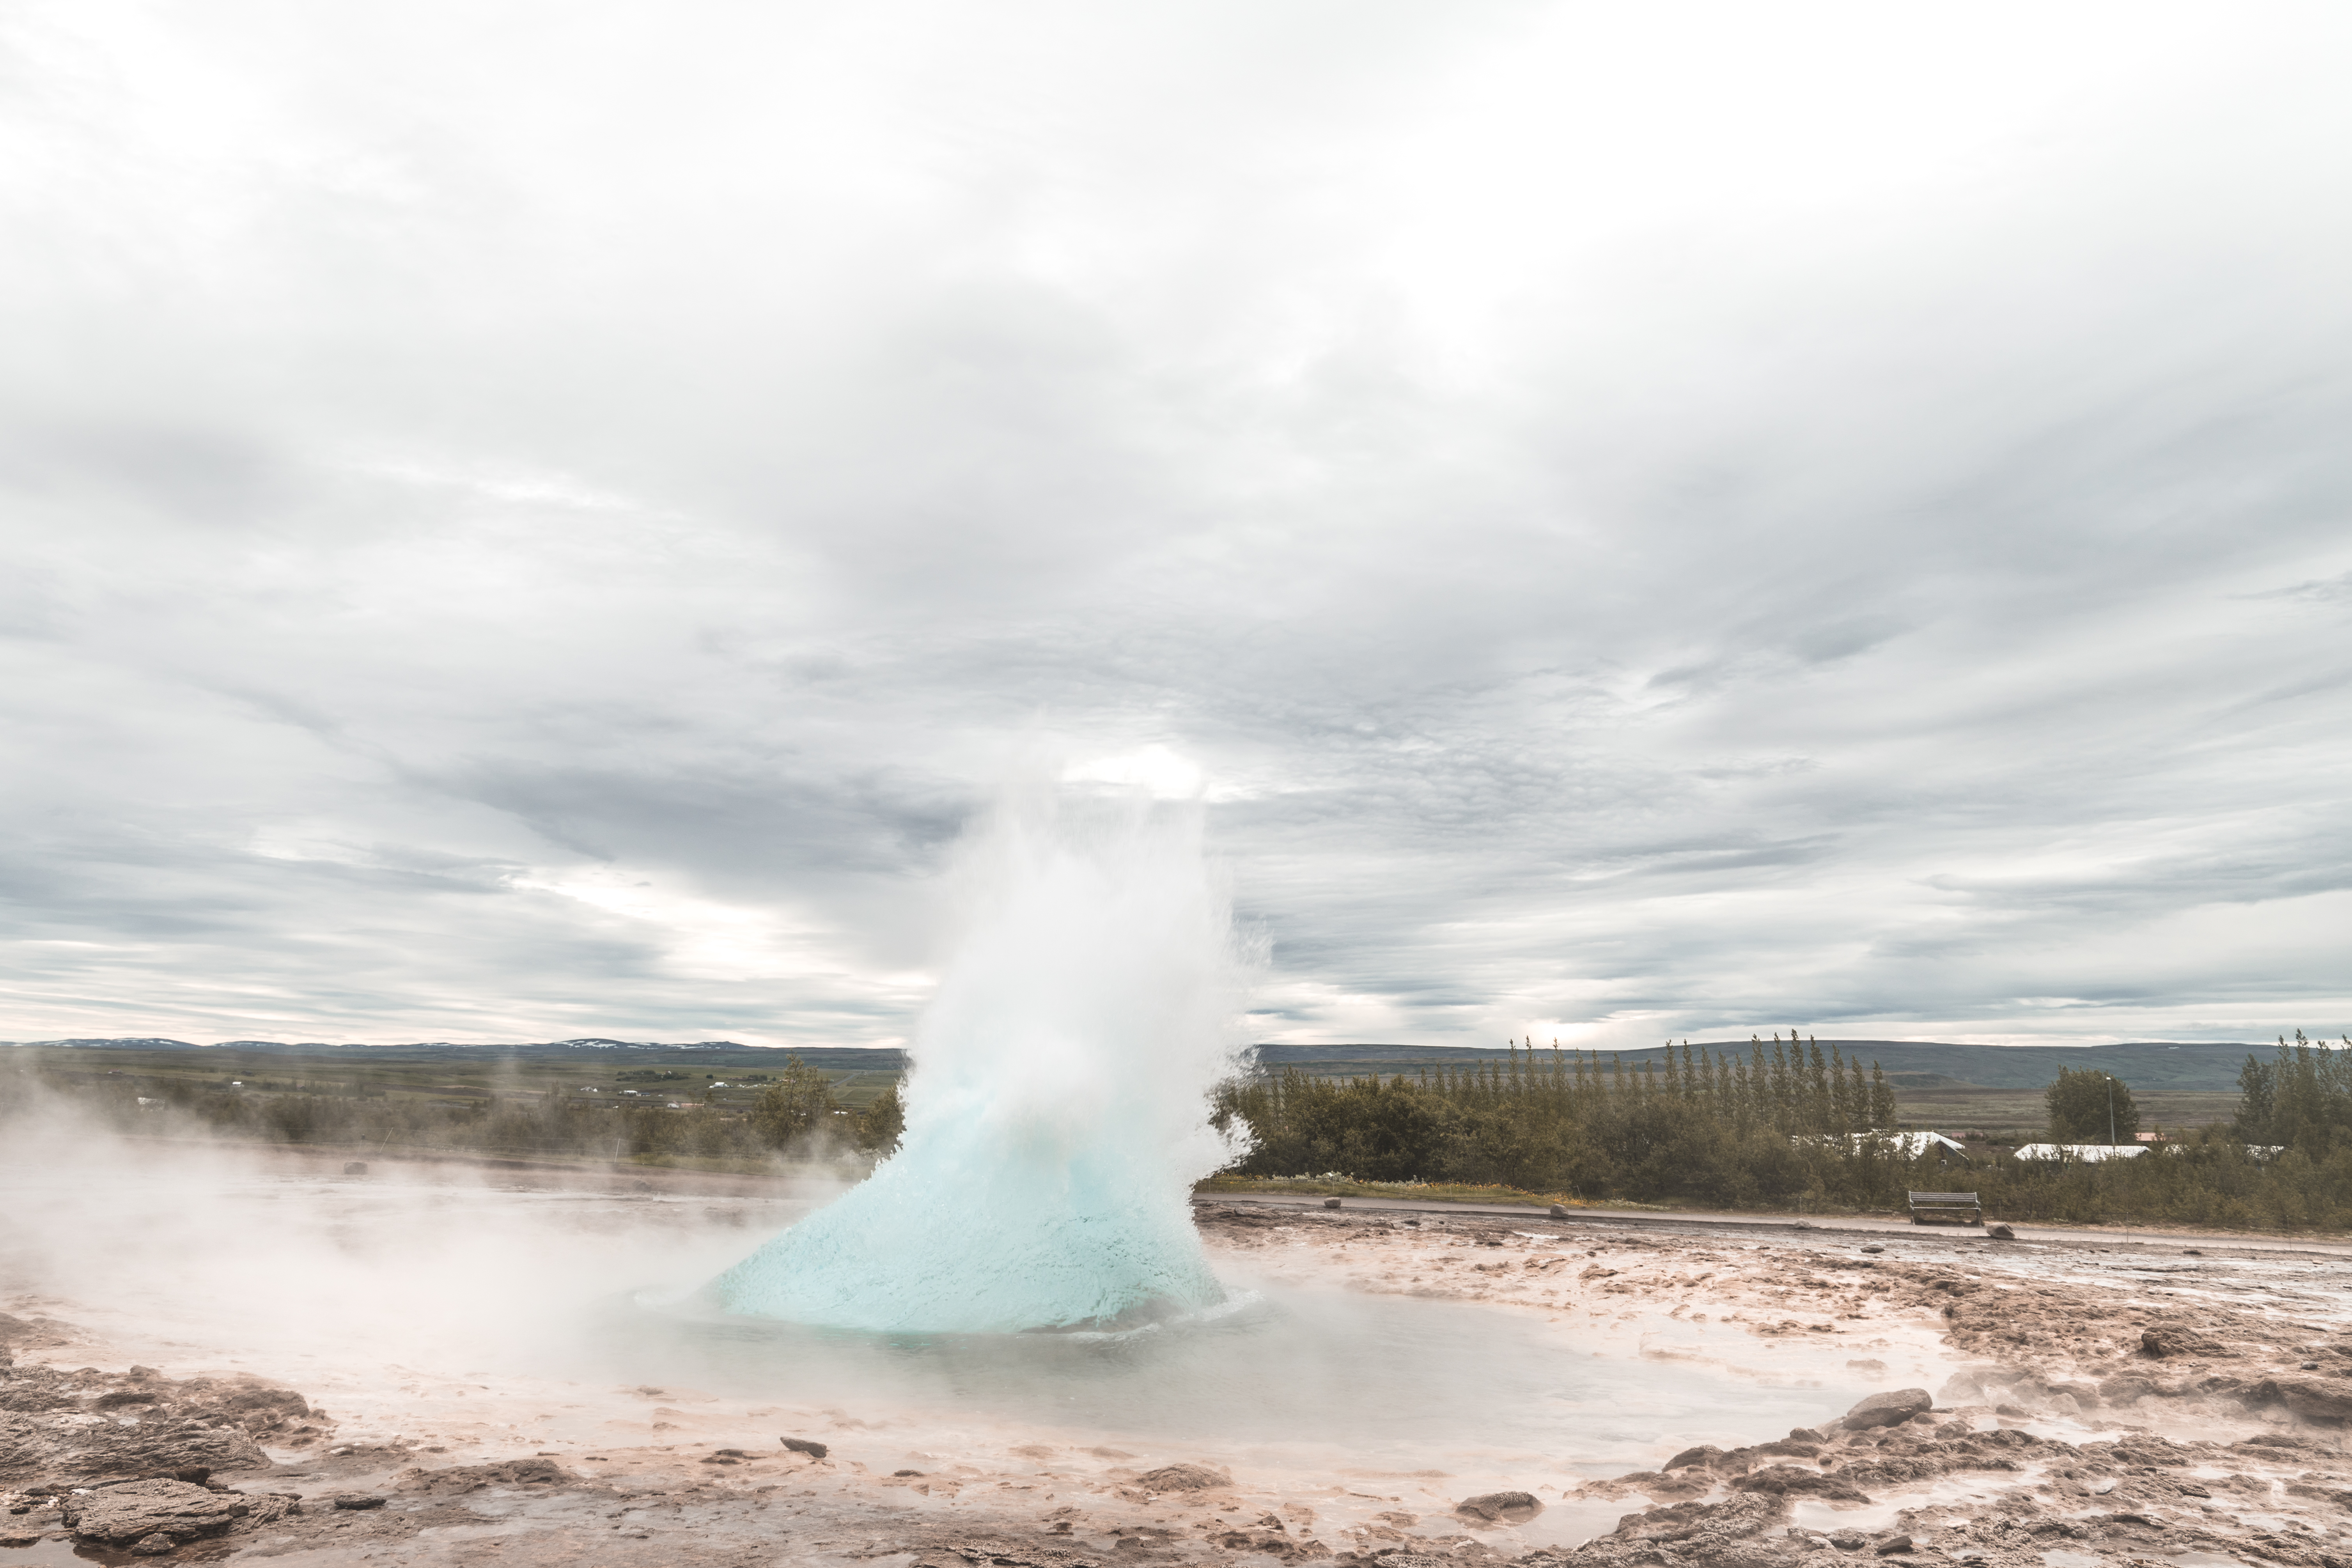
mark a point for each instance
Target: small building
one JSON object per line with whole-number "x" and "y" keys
{"x": 1917, "y": 1143}
{"x": 1911, "y": 1144}
{"x": 2088, "y": 1154}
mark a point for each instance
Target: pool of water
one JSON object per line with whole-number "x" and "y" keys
{"x": 1390, "y": 1380}
{"x": 378, "y": 1293}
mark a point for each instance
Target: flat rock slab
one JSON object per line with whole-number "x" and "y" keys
{"x": 1500, "y": 1508}
{"x": 1184, "y": 1478}
{"x": 134, "y": 1510}
{"x": 457, "y": 1480}
{"x": 154, "y": 1426}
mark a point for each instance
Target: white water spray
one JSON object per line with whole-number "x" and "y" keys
{"x": 1057, "y": 1110}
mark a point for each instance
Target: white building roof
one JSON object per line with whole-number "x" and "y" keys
{"x": 2086, "y": 1151}
{"x": 1911, "y": 1144}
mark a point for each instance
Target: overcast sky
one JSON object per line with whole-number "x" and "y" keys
{"x": 534, "y": 518}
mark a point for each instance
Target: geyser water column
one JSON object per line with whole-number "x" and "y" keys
{"x": 1057, "y": 1105}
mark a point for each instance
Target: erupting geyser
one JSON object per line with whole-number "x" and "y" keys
{"x": 1057, "y": 1110}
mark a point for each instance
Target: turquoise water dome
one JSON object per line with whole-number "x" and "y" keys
{"x": 1057, "y": 1107}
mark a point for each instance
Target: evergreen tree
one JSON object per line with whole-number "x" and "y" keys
{"x": 2300, "y": 1101}
{"x": 881, "y": 1124}
{"x": 1842, "y": 1107}
{"x": 793, "y": 1107}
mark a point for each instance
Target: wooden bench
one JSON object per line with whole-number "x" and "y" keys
{"x": 1960, "y": 1208}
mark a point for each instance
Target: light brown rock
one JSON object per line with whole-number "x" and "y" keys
{"x": 134, "y": 1510}
{"x": 1192, "y": 1478}
{"x": 1500, "y": 1508}
{"x": 1886, "y": 1409}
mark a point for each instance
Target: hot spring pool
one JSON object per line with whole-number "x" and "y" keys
{"x": 496, "y": 1313}
{"x": 1389, "y": 1381}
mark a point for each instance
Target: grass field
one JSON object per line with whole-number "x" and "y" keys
{"x": 2010, "y": 1115}
{"x": 574, "y": 1106}
{"x": 729, "y": 1079}
{"x": 454, "y": 1075}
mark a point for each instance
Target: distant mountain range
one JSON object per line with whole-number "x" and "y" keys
{"x": 2147, "y": 1064}
{"x": 549, "y": 1048}
{"x": 715, "y": 1053}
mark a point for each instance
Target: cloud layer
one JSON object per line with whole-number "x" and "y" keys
{"x": 534, "y": 520}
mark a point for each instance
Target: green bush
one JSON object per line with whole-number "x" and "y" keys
{"x": 1786, "y": 1125}
{"x": 2090, "y": 1107}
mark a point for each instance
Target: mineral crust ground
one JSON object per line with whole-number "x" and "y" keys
{"x": 2045, "y": 1403}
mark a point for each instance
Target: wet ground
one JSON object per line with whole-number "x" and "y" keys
{"x": 2086, "y": 1399}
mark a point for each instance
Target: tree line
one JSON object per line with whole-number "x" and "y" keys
{"x": 1781, "y": 1124}
{"x": 1786, "y": 1124}
{"x": 797, "y": 1116}
{"x": 2283, "y": 1160}
{"x": 1775, "y": 1123}
{"x": 2301, "y": 1100}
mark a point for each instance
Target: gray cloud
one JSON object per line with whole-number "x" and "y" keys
{"x": 527, "y": 523}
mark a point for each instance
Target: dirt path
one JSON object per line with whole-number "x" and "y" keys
{"x": 1696, "y": 1221}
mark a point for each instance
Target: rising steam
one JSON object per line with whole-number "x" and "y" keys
{"x": 1057, "y": 1111}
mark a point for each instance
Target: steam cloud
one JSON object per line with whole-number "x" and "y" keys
{"x": 1055, "y": 1112}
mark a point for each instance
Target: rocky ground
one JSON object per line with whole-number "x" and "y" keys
{"x": 2094, "y": 1401}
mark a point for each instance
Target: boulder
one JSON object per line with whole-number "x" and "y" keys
{"x": 1500, "y": 1508}
{"x": 813, "y": 1449}
{"x": 171, "y": 1431}
{"x": 1889, "y": 1546}
{"x": 1330, "y": 1202}
{"x": 2314, "y": 1400}
{"x": 1886, "y": 1409}
{"x": 1706, "y": 1456}
{"x": 2161, "y": 1340}
{"x": 259, "y": 1408}
{"x": 134, "y": 1510}
{"x": 1184, "y": 1478}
